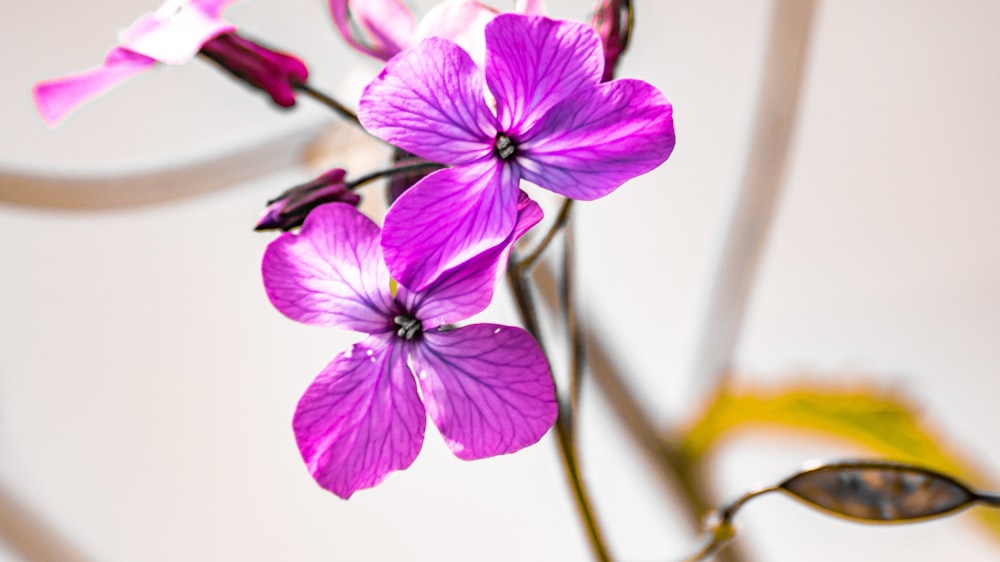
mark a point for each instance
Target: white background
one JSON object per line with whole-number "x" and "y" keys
{"x": 147, "y": 386}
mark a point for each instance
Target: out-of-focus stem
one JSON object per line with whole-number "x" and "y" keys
{"x": 750, "y": 216}
{"x": 678, "y": 474}
{"x": 577, "y": 354}
{"x": 524, "y": 299}
{"x": 528, "y": 261}
{"x": 33, "y": 539}
{"x": 519, "y": 280}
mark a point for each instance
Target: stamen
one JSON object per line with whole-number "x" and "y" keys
{"x": 504, "y": 146}
{"x": 409, "y": 327}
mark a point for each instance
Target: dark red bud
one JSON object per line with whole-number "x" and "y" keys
{"x": 613, "y": 22}
{"x": 289, "y": 210}
{"x": 270, "y": 71}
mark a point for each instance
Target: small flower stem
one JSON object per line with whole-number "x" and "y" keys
{"x": 577, "y": 357}
{"x": 328, "y": 101}
{"x": 405, "y": 168}
{"x": 678, "y": 473}
{"x": 525, "y": 264}
{"x": 521, "y": 289}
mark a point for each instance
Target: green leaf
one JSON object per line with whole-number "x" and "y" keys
{"x": 885, "y": 424}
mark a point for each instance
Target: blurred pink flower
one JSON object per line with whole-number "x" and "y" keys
{"x": 383, "y": 28}
{"x": 173, "y": 35}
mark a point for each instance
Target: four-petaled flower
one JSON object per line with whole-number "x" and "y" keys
{"x": 555, "y": 125}
{"x": 487, "y": 387}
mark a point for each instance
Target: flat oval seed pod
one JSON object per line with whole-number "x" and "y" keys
{"x": 879, "y": 491}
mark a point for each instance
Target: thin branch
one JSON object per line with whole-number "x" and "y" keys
{"x": 170, "y": 182}
{"x": 720, "y": 526}
{"x": 328, "y": 101}
{"x": 526, "y": 263}
{"x": 526, "y": 309}
{"x": 405, "y": 168}
{"x": 750, "y": 217}
{"x": 577, "y": 355}
{"x": 675, "y": 472}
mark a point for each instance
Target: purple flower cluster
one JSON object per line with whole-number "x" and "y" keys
{"x": 489, "y": 98}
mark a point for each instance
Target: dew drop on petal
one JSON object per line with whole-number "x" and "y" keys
{"x": 497, "y": 331}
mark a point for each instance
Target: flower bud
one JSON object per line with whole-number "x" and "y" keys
{"x": 290, "y": 209}
{"x": 273, "y": 72}
{"x": 613, "y": 22}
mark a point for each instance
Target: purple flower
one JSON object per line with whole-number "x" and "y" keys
{"x": 487, "y": 387}
{"x": 555, "y": 125}
{"x": 172, "y": 35}
{"x": 290, "y": 209}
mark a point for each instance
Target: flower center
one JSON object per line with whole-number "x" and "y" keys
{"x": 409, "y": 327}
{"x": 504, "y": 147}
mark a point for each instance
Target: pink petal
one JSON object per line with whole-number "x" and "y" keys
{"x": 487, "y": 388}
{"x": 429, "y": 101}
{"x": 361, "y": 418}
{"x": 530, "y": 7}
{"x": 587, "y": 146}
{"x": 384, "y": 26}
{"x": 447, "y": 218}
{"x": 532, "y": 63}
{"x": 213, "y": 8}
{"x": 461, "y": 21}
{"x": 175, "y": 34}
{"x": 56, "y": 98}
{"x": 467, "y": 288}
{"x": 331, "y": 273}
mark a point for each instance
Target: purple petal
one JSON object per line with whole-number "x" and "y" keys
{"x": 331, "y": 273}
{"x": 487, "y": 388}
{"x": 429, "y": 101}
{"x": 534, "y": 62}
{"x": 384, "y": 26}
{"x": 467, "y": 288}
{"x": 361, "y": 418}
{"x": 56, "y": 98}
{"x": 175, "y": 34}
{"x": 587, "y": 146}
{"x": 447, "y": 218}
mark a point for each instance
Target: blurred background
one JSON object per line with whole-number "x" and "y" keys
{"x": 147, "y": 386}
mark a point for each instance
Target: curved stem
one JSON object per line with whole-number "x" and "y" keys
{"x": 329, "y": 102}
{"x": 750, "y": 216}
